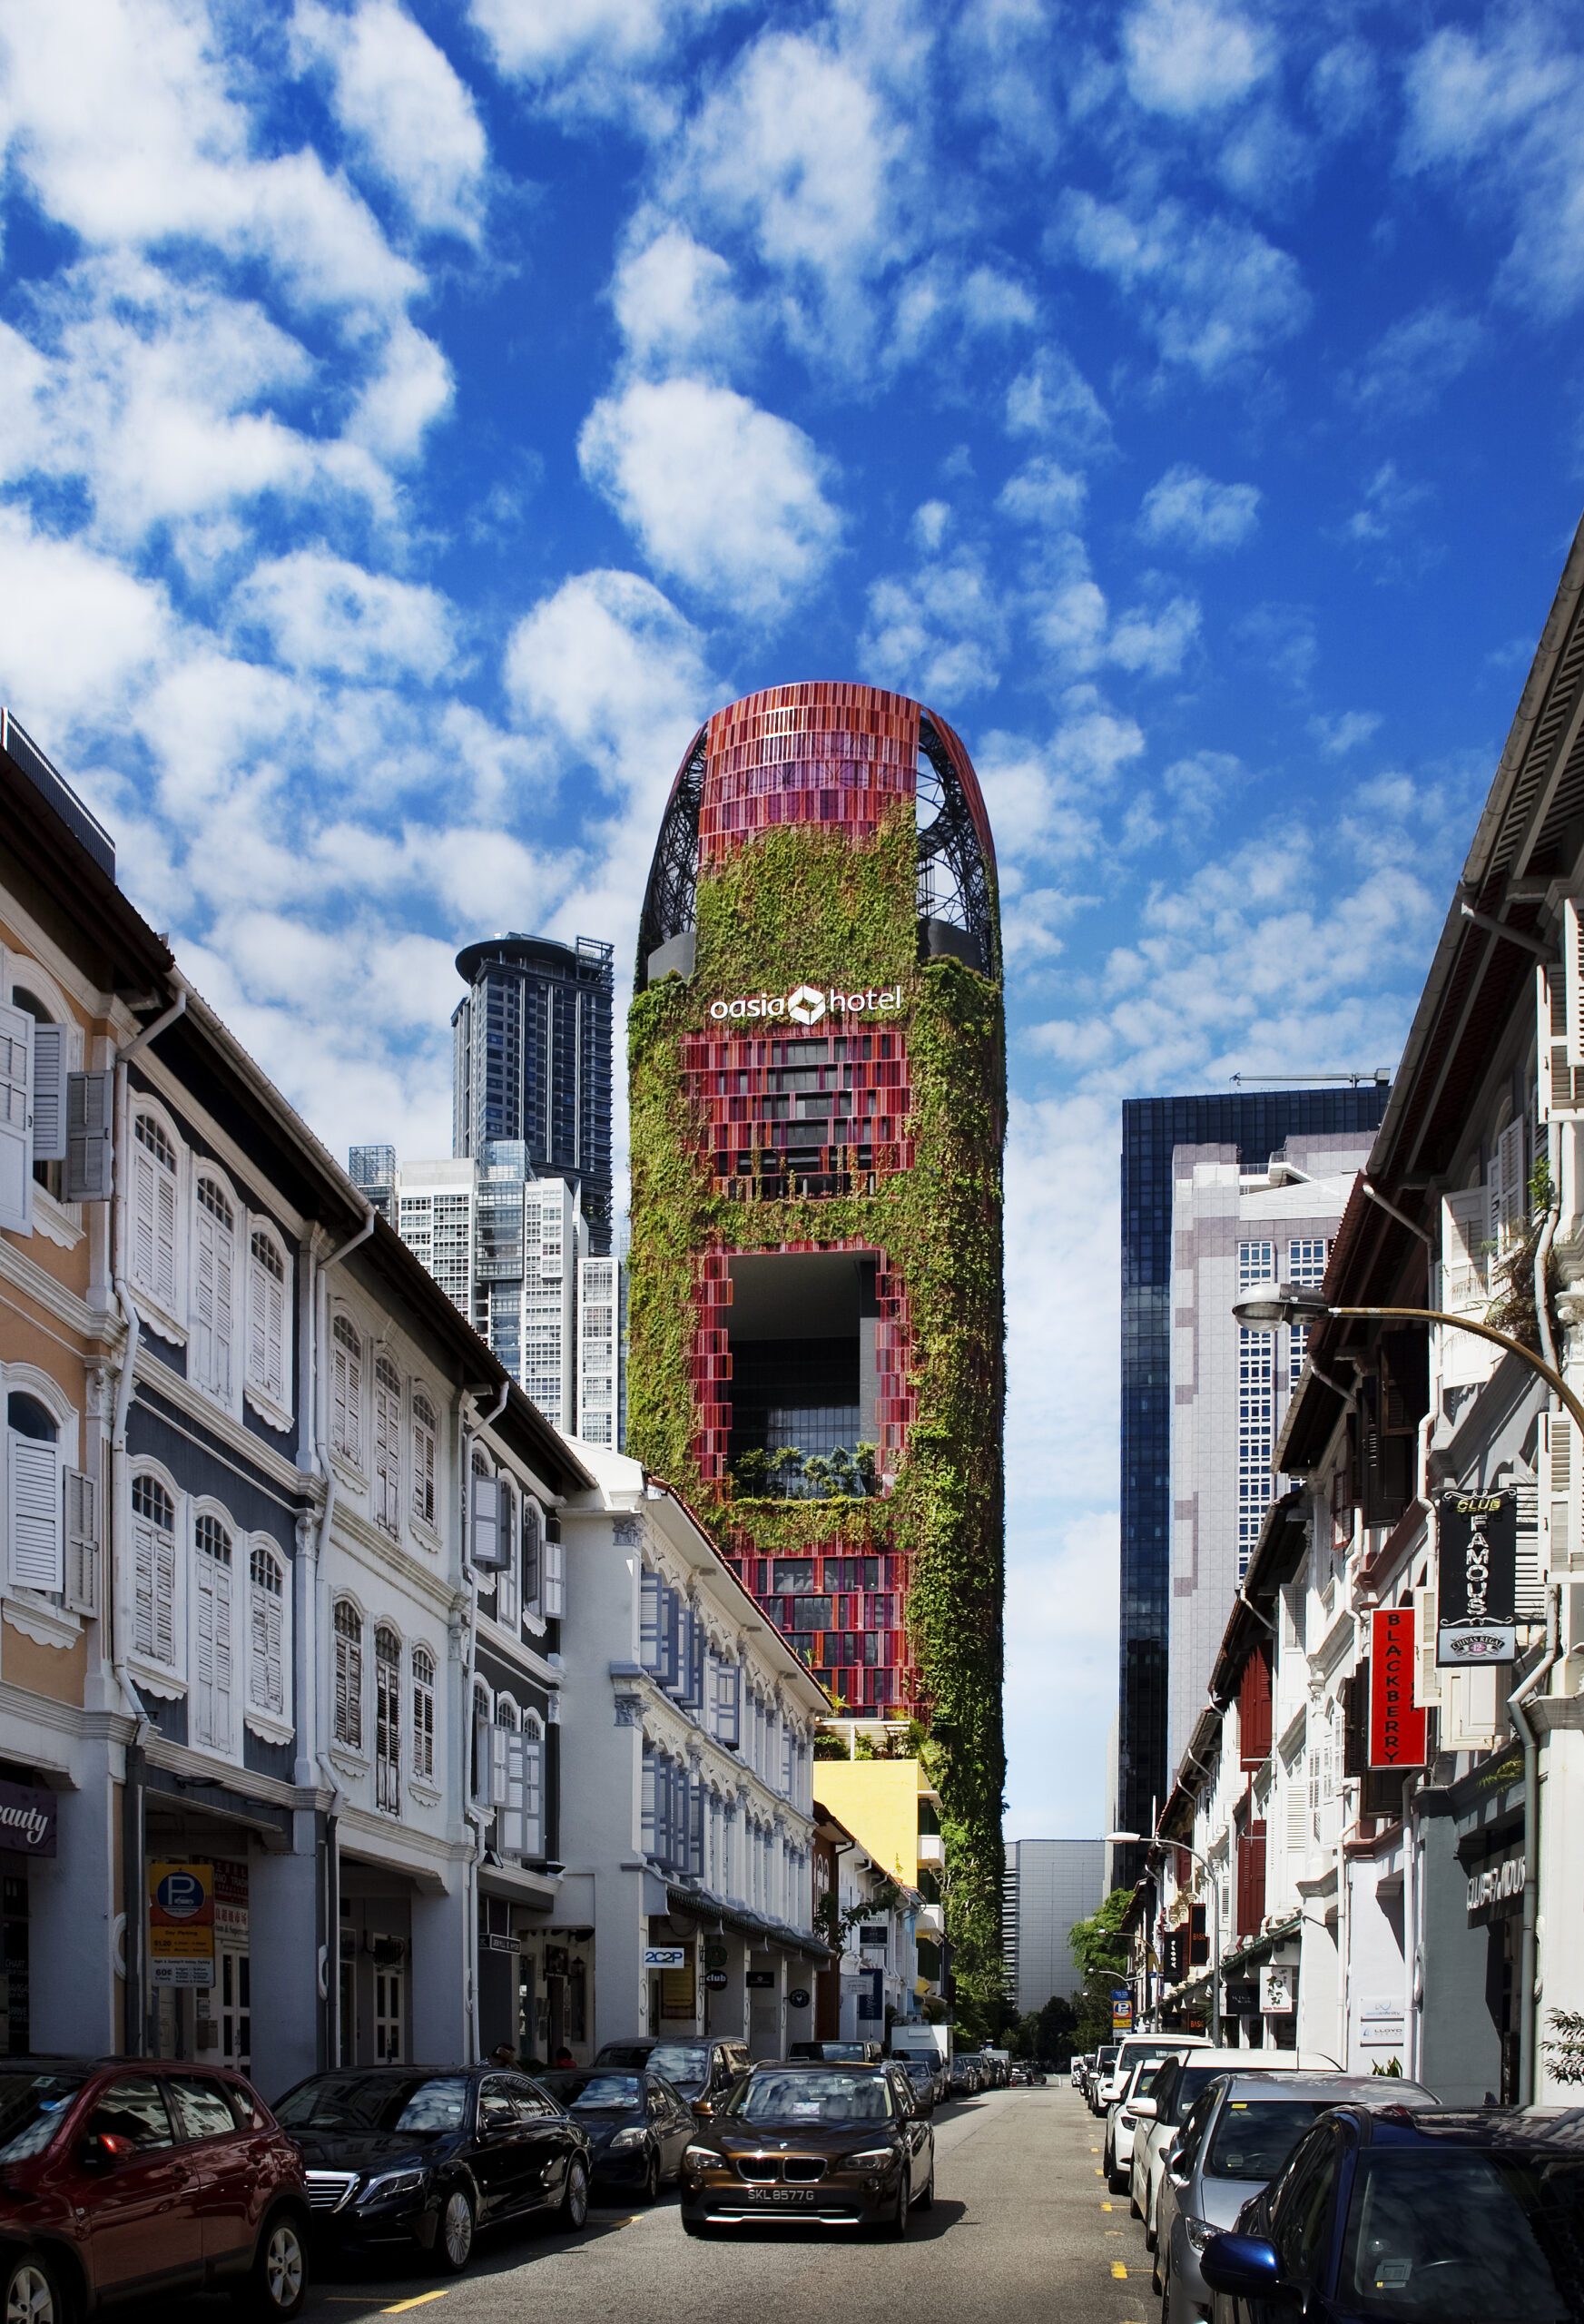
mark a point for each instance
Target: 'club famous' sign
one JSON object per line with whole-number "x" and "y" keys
{"x": 807, "y": 1005}
{"x": 1477, "y": 1578}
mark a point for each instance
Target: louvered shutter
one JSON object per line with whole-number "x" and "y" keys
{"x": 1468, "y": 1717}
{"x": 1463, "y": 1224}
{"x": 49, "y": 1093}
{"x": 34, "y": 1495}
{"x": 533, "y": 1795}
{"x": 1558, "y": 1515}
{"x": 164, "y": 1596}
{"x": 1530, "y": 1603}
{"x": 1514, "y": 1183}
{"x": 728, "y": 1705}
{"x": 16, "y": 1031}
{"x": 90, "y": 1144}
{"x": 145, "y": 1560}
{"x": 555, "y": 1579}
{"x": 486, "y": 1528}
{"x": 82, "y": 1543}
{"x": 213, "y": 1650}
{"x": 1573, "y": 981}
{"x": 649, "y": 1594}
{"x": 267, "y": 1683}
{"x": 205, "y": 1336}
{"x": 500, "y": 1739}
{"x": 1427, "y": 1678}
{"x": 1297, "y": 1811}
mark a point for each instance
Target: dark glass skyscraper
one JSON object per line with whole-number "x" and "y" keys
{"x": 533, "y": 1062}
{"x": 1256, "y": 1122}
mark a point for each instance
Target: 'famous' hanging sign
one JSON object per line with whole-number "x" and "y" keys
{"x": 1477, "y": 1580}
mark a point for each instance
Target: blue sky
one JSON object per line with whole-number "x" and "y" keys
{"x": 412, "y": 422}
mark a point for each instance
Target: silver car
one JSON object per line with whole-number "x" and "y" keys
{"x": 1237, "y": 2136}
{"x": 1161, "y": 2115}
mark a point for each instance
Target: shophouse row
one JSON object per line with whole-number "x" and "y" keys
{"x": 1375, "y": 1835}
{"x": 348, "y": 1710}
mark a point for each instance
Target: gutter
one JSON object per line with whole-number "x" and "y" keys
{"x": 472, "y": 1813}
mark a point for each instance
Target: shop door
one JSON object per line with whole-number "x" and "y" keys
{"x": 388, "y": 1999}
{"x": 224, "y": 2036}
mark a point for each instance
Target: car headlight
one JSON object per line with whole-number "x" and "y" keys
{"x": 873, "y": 2158}
{"x": 699, "y": 2157}
{"x": 390, "y": 2184}
{"x": 630, "y": 2138}
{"x": 1198, "y": 2232}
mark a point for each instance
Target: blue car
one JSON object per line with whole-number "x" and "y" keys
{"x": 1385, "y": 2216}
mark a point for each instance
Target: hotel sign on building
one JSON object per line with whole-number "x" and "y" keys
{"x": 806, "y": 1004}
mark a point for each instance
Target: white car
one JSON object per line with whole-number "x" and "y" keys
{"x": 1136, "y": 2048}
{"x": 1122, "y": 2122}
{"x": 1160, "y": 2116}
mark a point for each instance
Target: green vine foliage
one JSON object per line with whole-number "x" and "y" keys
{"x": 802, "y": 904}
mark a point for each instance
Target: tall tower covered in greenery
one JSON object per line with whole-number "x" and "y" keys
{"x": 818, "y": 1083}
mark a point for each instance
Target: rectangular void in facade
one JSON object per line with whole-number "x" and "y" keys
{"x": 1256, "y": 1122}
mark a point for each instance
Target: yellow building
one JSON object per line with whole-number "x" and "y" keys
{"x": 879, "y": 1802}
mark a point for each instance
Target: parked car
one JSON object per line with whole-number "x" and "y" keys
{"x": 922, "y": 2075}
{"x": 1100, "y": 2066}
{"x": 1237, "y": 2138}
{"x": 1162, "y": 2114}
{"x": 964, "y": 2079}
{"x": 810, "y": 2141}
{"x": 425, "y": 2156}
{"x": 1404, "y": 2216}
{"x": 124, "y": 2180}
{"x": 705, "y": 2071}
{"x": 637, "y": 2125}
{"x": 1122, "y": 2122}
{"x": 838, "y": 2053}
{"x": 1134, "y": 2048}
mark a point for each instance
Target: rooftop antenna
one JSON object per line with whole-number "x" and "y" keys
{"x": 1381, "y": 1077}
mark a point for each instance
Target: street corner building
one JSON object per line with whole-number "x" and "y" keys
{"x": 817, "y": 1061}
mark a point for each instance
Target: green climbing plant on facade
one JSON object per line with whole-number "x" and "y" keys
{"x": 803, "y": 904}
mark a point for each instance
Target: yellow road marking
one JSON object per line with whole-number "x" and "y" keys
{"x": 1108, "y": 2207}
{"x": 1119, "y": 2270}
{"x": 1099, "y": 2174}
{"x": 419, "y": 2300}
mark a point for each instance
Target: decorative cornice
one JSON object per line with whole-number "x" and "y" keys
{"x": 25, "y": 1275}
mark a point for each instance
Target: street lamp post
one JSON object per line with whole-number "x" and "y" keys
{"x": 1136, "y": 1839}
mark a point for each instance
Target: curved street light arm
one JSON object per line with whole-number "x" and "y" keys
{"x": 1480, "y": 1330}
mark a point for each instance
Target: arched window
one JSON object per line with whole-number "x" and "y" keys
{"x": 34, "y": 1493}
{"x": 423, "y": 1713}
{"x": 423, "y": 1459}
{"x": 519, "y": 1789}
{"x": 505, "y": 1712}
{"x": 213, "y": 1277}
{"x": 387, "y": 1720}
{"x": 267, "y": 1316}
{"x": 154, "y": 1210}
{"x": 348, "y": 1629}
{"x": 212, "y": 1635}
{"x": 346, "y": 1391}
{"x": 388, "y": 1445}
{"x": 154, "y": 1544}
{"x": 266, "y": 1631}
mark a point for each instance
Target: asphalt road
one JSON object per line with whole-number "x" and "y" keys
{"x": 1023, "y": 2227}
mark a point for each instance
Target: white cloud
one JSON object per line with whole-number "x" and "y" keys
{"x": 1336, "y": 736}
{"x": 1191, "y": 56}
{"x": 1410, "y": 365}
{"x": 611, "y": 666}
{"x": 587, "y": 55}
{"x": 1154, "y": 643}
{"x": 1053, "y": 398}
{"x": 403, "y": 105}
{"x": 321, "y": 613}
{"x": 674, "y": 304}
{"x": 725, "y": 496}
{"x": 941, "y": 633}
{"x": 1212, "y": 292}
{"x": 1043, "y": 493}
{"x": 75, "y": 631}
{"x": 1191, "y": 509}
{"x": 1342, "y": 87}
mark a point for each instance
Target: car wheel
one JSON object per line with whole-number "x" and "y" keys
{"x": 927, "y": 2199}
{"x": 33, "y": 2296}
{"x": 650, "y": 2190}
{"x": 1156, "y": 2283}
{"x": 896, "y": 2227}
{"x": 1133, "y": 2210}
{"x": 574, "y": 2201}
{"x": 454, "y": 2235}
{"x": 697, "y": 2227}
{"x": 277, "y": 2283}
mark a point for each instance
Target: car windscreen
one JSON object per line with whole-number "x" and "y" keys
{"x": 814, "y": 2095}
{"x": 595, "y": 2092}
{"x": 1444, "y": 2233}
{"x": 838, "y": 2052}
{"x": 424, "y": 2104}
{"x": 1186, "y": 2088}
{"x": 679, "y": 2061}
{"x": 1254, "y": 2136}
{"x": 31, "y": 2107}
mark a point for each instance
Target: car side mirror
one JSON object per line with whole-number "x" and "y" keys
{"x": 1247, "y": 2267}
{"x": 1142, "y": 2109}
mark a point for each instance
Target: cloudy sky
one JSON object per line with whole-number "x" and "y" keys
{"x": 413, "y": 419}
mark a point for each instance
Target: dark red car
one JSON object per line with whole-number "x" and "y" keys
{"x": 124, "y": 2176}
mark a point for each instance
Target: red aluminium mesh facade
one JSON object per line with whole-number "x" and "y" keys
{"x": 835, "y": 755}
{"x": 790, "y": 1105}
{"x": 844, "y": 1616}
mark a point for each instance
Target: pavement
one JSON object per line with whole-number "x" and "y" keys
{"x": 1024, "y": 2228}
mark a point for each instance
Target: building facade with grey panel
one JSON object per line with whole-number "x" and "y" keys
{"x": 1048, "y": 1886}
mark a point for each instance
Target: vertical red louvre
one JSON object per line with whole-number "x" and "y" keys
{"x": 1253, "y": 1710}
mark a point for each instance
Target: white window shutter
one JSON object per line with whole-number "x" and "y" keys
{"x": 1297, "y": 1812}
{"x": 33, "y": 1495}
{"x": 500, "y": 1740}
{"x": 520, "y": 1830}
{"x": 1554, "y": 1465}
{"x": 555, "y": 1579}
{"x": 211, "y": 1651}
{"x": 205, "y": 1363}
{"x": 82, "y": 1543}
{"x": 49, "y": 1093}
{"x": 90, "y": 1144}
{"x": 484, "y": 1734}
{"x": 16, "y": 1031}
{"x": 1427, "y": 1680}
{"x": 1514, "y": 1182}
{"x": 533, "y": 1796}
{"x": 1573, "y": 980}
{"x": 487, "y": 1529}
{"x": 649, "y": 1621}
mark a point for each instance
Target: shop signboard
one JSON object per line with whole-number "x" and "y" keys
{"x": 665, "y": 1956}
{"x": 715, "y": 1981}
{"x": 716, "y": 1954}
{"x": 1278, "y": 1990}
{"x": 1497, "y": 1888}
{"x": 798, "y": 1998}
{"x": 1241, "y": 1997}
{"x": 1121, "y": 2009}
{"x": 29, "y": 1819}
{"x": 1476, "y": 1580}
{"x": 230, "y": 1902}
{"x": 1380, "y": 2021}
{"x": 1397, "y": 1729}
{"x": 760, "y": 1980}
{"x": 181, "y": 1924}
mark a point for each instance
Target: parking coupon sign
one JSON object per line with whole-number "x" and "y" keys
{"x": 1121, "y": 2009}
{"x": 181, "y": 1924}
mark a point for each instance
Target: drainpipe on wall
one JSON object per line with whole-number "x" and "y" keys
{"x": 475, "y": 1815}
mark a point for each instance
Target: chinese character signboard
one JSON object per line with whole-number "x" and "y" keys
{"x": 1278, "y": 1991}
{"x": 181, "y": 1924}
{"x": 1396, "y": 1728}
{"x": 1477, "y": 1580}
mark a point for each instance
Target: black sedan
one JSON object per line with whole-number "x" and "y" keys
{"x": 425, "y": 2156}
{"x": 637, "y": 2124}
{"x": 833, "y": 2145}
{"x": 703, "y": 2071}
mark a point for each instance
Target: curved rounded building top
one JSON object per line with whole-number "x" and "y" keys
{"x": 835, "y": 757}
